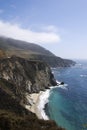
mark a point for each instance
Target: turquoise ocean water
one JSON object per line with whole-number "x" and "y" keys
{"x": 68, "y": 105}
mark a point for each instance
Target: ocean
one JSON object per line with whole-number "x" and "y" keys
{"x": 68, "y": 103}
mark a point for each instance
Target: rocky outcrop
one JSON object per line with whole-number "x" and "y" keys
{"x": 19, "y": 77}
{"x": 30, "y": 76}
{"x": 13, "y": 116}
{"x": 25, "y": 76}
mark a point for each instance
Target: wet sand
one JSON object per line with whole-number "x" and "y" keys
{"x": 34, "y": 99}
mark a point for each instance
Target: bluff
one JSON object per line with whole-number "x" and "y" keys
{"x": 9, "y": 47}
{"x": 25, "y": 76}
{"x": 30, "y": 76}
{"x": 19, "y": 78}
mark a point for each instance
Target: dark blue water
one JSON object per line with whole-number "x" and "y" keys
{"x": 68, "y": 105}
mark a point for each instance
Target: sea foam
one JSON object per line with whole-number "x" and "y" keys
{"x": 83, "y": 75}
{"x": 44, "y": 99}
{"x": 63, "y": 86}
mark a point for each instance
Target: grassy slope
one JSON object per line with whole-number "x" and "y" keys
{"x": 31, "y": 51}
{"x": 8, "y": 44}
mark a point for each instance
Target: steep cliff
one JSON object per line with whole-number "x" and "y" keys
{"x": 13, "y": 116}
{"x": 25, "y": 76}
{"x": 19, "y": 77}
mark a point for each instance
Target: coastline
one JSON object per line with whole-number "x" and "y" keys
{"x": 38, "y": 101}
{"x": 40, "y": 105}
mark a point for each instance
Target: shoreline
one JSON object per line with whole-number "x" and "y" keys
{"x": 38, "y": 101}
{"x": 40, "y": 105}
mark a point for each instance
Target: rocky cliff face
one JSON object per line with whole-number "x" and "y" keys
{"x": 13, "y": 116}
{"x": 26, "y": 76}
{"x": 31, "y": 76}
{"x": 19, "y": 77}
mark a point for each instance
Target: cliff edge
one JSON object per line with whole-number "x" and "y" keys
{"x": 26, "y": 76}
{"x": 19, "y": 77}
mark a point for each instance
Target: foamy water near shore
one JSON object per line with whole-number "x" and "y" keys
{"x": 38, "y": 101}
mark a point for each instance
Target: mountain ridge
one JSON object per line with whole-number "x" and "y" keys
{"x": 31, "y": 51}
{"x": 23, "y": 45}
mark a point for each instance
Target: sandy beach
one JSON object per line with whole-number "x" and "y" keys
{"x": 38, "y": 101}
{"x": 37, "y": 106}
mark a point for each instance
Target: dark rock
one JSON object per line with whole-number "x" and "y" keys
{"x": 24, "y": 76}
{"x": 62, "y": 83}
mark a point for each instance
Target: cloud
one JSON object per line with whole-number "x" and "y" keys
{"x": 17, "y": 32}
{"x": 1, "y": 11}
{"x": 50, "y": 28}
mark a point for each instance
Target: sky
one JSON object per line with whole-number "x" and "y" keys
{"x": 58, "y": 25}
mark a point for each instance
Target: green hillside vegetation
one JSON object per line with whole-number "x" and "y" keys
{"x": 17, "y": 45}
{"x": 32, "y": 51}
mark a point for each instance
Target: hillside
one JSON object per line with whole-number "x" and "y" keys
{"x": 9, "y": 47}
{"x": 17, "y": 45}
{"x": 19, "y": 77}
